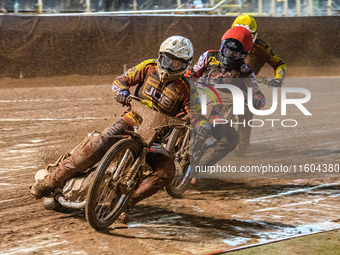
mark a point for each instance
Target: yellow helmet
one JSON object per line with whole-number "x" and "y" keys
{"x": 248, "y": 22}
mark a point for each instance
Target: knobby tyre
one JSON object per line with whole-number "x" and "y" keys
{"x": 182, "y": 177}
{"x": 106, "y": 199}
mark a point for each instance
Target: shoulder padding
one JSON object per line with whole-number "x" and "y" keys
{"x": 262, "y": 43}
{"x": 148, "y": 62}
{"x": 186, "y": 82}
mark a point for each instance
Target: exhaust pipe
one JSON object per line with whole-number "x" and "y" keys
{"x": 68, "y": 204}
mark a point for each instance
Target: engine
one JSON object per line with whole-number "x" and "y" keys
{"x": 75, "y": 189}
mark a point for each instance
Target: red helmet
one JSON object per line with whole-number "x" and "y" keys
{"x": 240, "y": 38}
{"x": 236, "y": 43}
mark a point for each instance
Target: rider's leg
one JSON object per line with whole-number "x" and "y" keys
{"x": 244, "y": 133}
{"x": 163, "y": 173}
{"x": 88, "y": 153}
{"x": 227, "y": 140}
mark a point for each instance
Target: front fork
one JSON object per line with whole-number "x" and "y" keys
{"x": 129, "y": 179}
{"x": 183, "y": 152}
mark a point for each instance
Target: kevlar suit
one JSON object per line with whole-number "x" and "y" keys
{"x": 210, "y": 69}
{"x": 260, "y": 54}
{"x": 263, "y": 53}
{"x": 172, "y": 98}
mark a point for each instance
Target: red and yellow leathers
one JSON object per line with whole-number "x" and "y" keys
{"x": 263, "y": 53}
{"x": 209, "y": 66}
{"x": 172, "y": 98}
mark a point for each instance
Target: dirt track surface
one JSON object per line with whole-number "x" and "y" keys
{"x": 37, "y": 121}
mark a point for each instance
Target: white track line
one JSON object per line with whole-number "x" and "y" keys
{"x": 50, "y": 100}
{"x": 51, "y": 119}
{"x": 293, "y": 191}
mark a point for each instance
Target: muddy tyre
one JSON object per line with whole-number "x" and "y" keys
{"x": 105, "y": 200}
{"x": 182, "y": 177}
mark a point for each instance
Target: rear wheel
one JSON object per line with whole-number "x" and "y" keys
{"x": 180, "y": 148}
{"x": 106, "y": 198}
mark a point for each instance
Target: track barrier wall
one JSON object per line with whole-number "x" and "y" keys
{"x": 35, "y": 46}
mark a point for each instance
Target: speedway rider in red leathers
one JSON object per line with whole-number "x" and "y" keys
{"x": 260, "y": 54}
{"x": 160, "y": 81}
{"x": 228, "y": 65}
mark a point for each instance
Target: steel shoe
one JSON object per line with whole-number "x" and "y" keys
{"x": 42, "y": 189}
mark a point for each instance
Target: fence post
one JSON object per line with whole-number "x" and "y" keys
{"x": 285, "y": 6}
{"x": 260, "y": 7}
{"x": 298, "y": 7}
{"x": 88, "y": 6}
{"x": 310, "y": 7}
{"x": 329, "y": 7}
{"x": 40, "y": 6}
{"x": 273, "y": 8}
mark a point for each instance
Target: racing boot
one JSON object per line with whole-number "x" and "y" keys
{"x": 124, "y": 218}
{"x": 42, "y": 189}
{"x": 193, "y": 181}
{"x": 244, "y": 135}
{"x": 164, "y": 171}
{"x": 85, "y": 155}
{"x": 244, "y": 140}
{"x": 227, "y": 140}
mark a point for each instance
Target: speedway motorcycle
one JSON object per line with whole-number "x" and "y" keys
{"x": 187, "y": 147}
{"x": 105, "y": 189}
{"x": 179, "y": 144}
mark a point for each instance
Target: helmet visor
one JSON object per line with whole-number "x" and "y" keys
{"x": 228, "y": 53}
{"x": 172, "y": 64}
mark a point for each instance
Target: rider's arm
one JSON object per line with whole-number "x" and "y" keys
{"x": 259, "y": 99}
{"x": 132, "y": 77}
{"x": 192, "y": 106}
{"x": 273, "y": 60}
{"x": 200, "y": 66}
{"x": 199, "y": 122}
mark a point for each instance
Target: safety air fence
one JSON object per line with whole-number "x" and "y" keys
{"x": 32, "y": 46}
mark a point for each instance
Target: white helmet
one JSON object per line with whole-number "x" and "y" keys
{"x": 175, "y": 56}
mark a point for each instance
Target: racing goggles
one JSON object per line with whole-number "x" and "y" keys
{"x": 228, "y": 53}
{"x": 172, "y": 64}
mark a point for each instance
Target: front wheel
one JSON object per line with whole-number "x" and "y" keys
{"x": 106, "y": 199}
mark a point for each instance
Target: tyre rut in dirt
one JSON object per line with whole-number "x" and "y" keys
{"x": 182, "y": 177}
{"x": 105, "y": 201}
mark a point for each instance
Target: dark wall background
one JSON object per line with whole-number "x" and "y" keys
{"x": 97, "y": 45}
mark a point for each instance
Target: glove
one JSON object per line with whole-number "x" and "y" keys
{"x": 215, "y": 113}
{"x": 256, "y": 103}
{"x": 258, "y": 100}
{"x": 122, "y": 96}
{"x": 275, "y": 83}
{"x": 203, "y": 129}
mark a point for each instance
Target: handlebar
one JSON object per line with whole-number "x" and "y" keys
{"x": 130, "y": 97}
{"x": 265, "y": 81}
